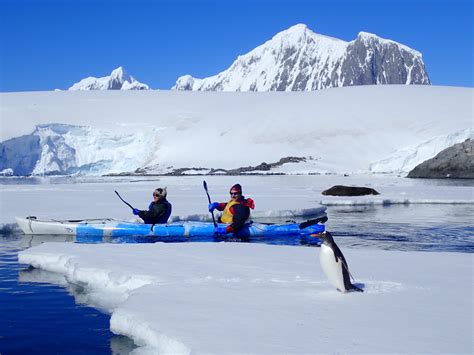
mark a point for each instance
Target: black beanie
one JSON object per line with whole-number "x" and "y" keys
{"x": 237, "y": 187}
{"x": 161, "y": 191}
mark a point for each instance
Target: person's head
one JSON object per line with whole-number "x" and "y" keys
{"x": 159, "y": 193}
{"x": 236, "y": 192}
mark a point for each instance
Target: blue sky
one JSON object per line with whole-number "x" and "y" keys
{"x": 48, "y": 44}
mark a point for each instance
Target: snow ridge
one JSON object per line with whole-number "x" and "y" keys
{"x": 119, "y": 79}
{"x": 298, "y": 59}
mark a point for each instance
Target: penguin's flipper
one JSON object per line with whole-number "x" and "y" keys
{"x": 350, "y": 287}
{"x": 345, "y": 266}
{"x": 348, "y": 276}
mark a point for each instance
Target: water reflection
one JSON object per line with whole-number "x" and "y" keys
{"x": 82, "y": 296}
{"x": 28, "y": 241}
{"x": 35, "y": 305}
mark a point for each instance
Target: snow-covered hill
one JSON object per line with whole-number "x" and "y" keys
{"x": 117, "y": 80}
{"x": 381, "y": 129}
{"x": 298, "y": 59}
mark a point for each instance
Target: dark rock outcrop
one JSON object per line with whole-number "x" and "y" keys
{"x": 371, "y": 60}
{"x": 341, "y": 190}
{"x": 456, "y": 162}
{"x": 246, "y": 170}
{"x": 265, "y": 166}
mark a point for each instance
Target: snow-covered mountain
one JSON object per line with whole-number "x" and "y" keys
{"x": 119, "y": 79}
{"x": 298, "y": 59}
{"x": 364, "y": 129}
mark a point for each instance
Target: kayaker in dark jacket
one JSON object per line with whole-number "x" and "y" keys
{"x": 159, "y": 209}
{"x": 235, "y": 212}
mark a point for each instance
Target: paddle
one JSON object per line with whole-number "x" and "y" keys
{"x": 129, "y": 205}
{"x": 209, "y": 198}
{"x": 313, "y": 221}
{"x": 120, "y": 197}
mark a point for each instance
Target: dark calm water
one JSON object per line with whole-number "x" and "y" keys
{"x": 41, "y": 313}
{"x": 39, "y": 316}
{"x": 425, "y": 227}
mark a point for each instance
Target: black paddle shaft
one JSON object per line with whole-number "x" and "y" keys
{"x": 209, "y": 199}
{"x": 120, "y": 197}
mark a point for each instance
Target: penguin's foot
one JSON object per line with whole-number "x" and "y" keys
{"x": 355, "y": 289}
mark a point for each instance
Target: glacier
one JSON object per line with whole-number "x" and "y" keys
{"x": 71, "y": 149}
{"x": 363, "y": 129}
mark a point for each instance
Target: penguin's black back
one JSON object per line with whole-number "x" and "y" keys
{"x": 329, "y": 241}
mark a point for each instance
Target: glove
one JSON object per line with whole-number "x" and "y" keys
{"x": 136, "y": 211}
{"x": 213, "y": 206}
{"x": 220, "y": 230}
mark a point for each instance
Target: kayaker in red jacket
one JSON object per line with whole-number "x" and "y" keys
{"x": 235, "y": 212}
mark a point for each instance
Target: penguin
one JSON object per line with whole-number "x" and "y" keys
{"x": 334, "y": 265}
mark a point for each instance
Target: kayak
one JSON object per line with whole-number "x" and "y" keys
{"x": 109, "y": 227}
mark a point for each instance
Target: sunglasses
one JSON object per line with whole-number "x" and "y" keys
{"x": 155, "y": 195}
{"x": 234, "y": 193}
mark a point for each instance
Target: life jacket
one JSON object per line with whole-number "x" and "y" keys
{"x": 227, "y": 216}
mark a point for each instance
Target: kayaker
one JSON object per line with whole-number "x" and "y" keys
{"x": 235, "y": 212}
{"x": 159, "y": 209}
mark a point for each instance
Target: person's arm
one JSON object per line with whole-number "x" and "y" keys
{"x": 154, "y": 213}
{"x": 220, "y": 206}
{"x": 142, "y": 213}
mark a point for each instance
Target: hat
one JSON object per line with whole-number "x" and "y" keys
{"x": 161, "y": 191}
{"x": 237, "y": 188}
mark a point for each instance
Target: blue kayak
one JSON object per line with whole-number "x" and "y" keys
{"x": 108, "y": 227}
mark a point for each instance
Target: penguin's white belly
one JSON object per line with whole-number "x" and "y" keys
{"x": 331, "y": 268}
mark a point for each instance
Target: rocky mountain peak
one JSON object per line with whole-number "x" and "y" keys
{"x": 119, "y": 79}
{"x": 298, "y": 59}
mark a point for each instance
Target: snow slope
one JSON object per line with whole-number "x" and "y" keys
{"x": 382, "y": 129}
{"x": 229, "y": 298}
